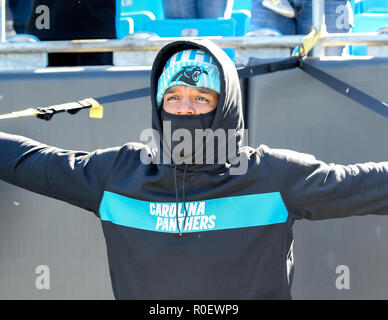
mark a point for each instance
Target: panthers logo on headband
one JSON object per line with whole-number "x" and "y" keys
{"x": 189, "y": 75}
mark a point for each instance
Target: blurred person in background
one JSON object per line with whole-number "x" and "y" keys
{"x": 74, "y": 20}
{"x": 282, "y": 7}
{"x": 281, "y": 18}
{"x": 197, "y": 9}
{"x": 20, "y": 10}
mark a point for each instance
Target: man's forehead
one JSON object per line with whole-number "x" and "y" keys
{"x": 204, "y": 90}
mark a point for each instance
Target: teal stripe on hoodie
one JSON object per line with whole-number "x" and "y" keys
{"x": 207, "y": 215}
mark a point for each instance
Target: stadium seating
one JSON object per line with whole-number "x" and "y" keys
{"x": 243, "y": 21}
{"x": 132, "y": 14}
{"x": 155, "y": 7}
{"x": 242, "y": 5}
{"x": 367, "y": 22}
{"x": 193, "y": 28}
{"x": 132, "y": 23}
{"x": 370, "y": 6}
{"x": 241, "y": 12}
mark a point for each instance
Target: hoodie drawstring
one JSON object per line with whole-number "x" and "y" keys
{"x": 184, "y": 196}
{"x": 177, "y": 199}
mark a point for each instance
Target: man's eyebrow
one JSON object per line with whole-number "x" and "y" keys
{"x": 200, "y": 89}
{"x": 204, "y": 90}
{"x": 170, "y": 90}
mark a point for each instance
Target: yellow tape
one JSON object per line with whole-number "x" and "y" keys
{"x": 309, "y": 42}
{"x": 96, "y": 110}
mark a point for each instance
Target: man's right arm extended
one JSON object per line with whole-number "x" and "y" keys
{"x": 77, "y": 177}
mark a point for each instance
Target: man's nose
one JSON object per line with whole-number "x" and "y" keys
{"x": 185, "y": 107}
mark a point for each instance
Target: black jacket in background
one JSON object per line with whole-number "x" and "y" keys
{"x": 75, "y": 19}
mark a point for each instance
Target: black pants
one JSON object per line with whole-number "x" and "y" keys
{"x": 80, "y": 59}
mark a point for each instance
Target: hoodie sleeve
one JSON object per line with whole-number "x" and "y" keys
{"x": 76, "y": 177}
{"x": 314, "y": 190}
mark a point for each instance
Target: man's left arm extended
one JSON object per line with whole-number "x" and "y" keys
{"x": 314, "y": 190}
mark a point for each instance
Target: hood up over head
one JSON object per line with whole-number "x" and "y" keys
{"x": 228, "y": 114}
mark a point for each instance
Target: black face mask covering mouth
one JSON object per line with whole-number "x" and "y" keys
{"x": 183, "y": 148}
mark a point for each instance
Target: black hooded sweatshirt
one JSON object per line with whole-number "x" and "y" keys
{"x": 236, "y": 234}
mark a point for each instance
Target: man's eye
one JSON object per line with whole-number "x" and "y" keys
{"x": 202, "y": 99}
{"x": 171, "y": 98}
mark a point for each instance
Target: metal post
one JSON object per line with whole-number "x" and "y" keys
{"x": 318, "y": 13}
{"x": 2, "y": 20}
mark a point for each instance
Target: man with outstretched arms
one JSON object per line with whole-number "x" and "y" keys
{"x": 194, "y": 215}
